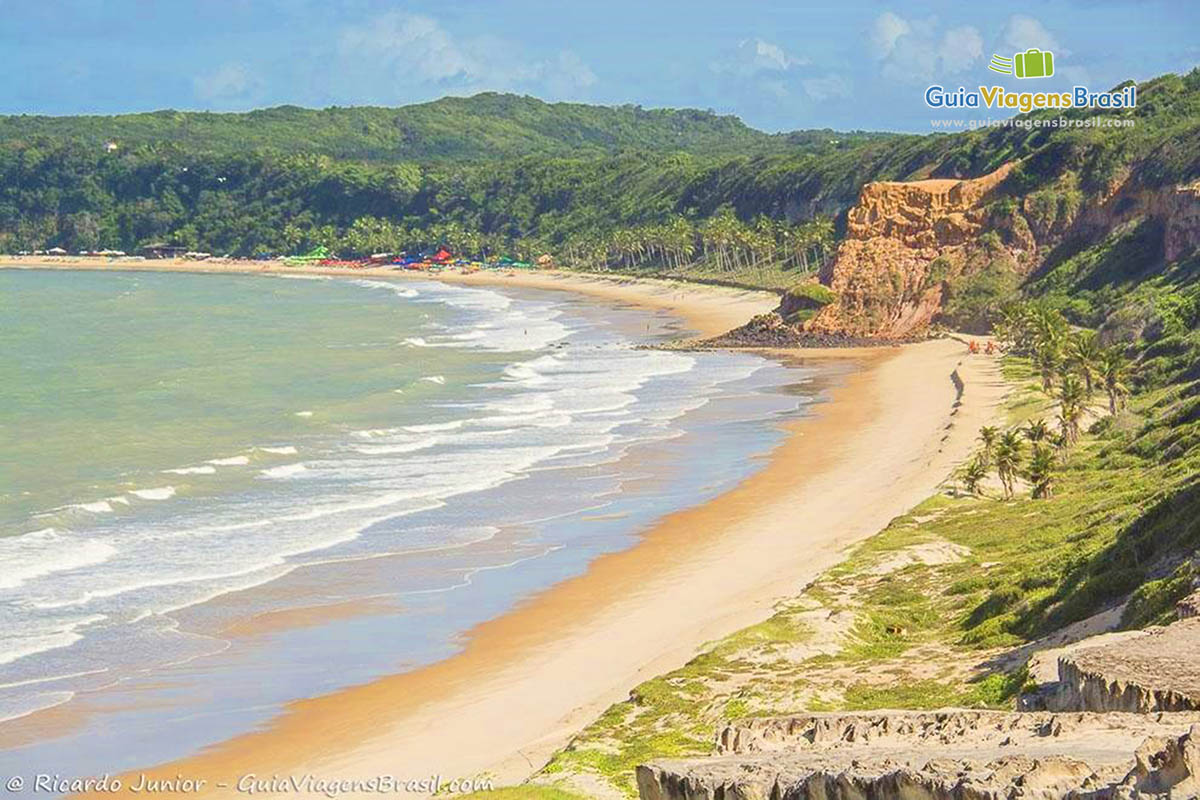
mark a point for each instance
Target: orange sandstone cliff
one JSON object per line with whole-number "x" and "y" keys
{"x": 904, "y": 241}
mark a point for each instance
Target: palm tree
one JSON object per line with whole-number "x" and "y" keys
{"x": 1041, "y": 472}
{"x": 974, "y": 474}
{"x": 1048, "y": 358}
{"x": 1071, "y": 398}
{"x": 987, "y": 438}
{"x": 1008, "y": 460}
{"x": 1037, "y": 430}
{"x": 1084, "y": 354}
{"x": 1113, "y": 372}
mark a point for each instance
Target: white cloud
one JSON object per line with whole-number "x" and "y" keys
{"x": 416, "y": 49}
{"x": 960, "y": 48}
{"x": 754, "y": 56}
{"x": 826, "y": 87}
{"x": 567, "y": 74}
{"x": 1022, "y": 33}
{"x": 915, "y": 50}
{"x": 887, "y": 28}
{"x": 226, "y": 82}
{"x": 420, "y": 41}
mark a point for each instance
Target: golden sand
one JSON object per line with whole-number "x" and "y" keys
{"x": 893, "y": 428}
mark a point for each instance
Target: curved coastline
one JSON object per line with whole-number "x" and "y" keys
{"x": 890, "y": 431}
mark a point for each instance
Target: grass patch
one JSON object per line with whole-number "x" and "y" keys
{"x": 527, "y": 792}
{"x": 910, "y": 634}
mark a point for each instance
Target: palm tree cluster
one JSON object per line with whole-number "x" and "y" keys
{"x": 1005, "y": 451}
{"x": 1072, "y": 366}
{"x": 722, "y": 240}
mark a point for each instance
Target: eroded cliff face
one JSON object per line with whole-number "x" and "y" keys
{"x": 884, "y": 274}
{"x": 937, "y": 755}
{"x": 1183, "y": 222}
{"x": 906, "y": 243}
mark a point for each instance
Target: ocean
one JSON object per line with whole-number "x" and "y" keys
{"x": 182, "y": 455}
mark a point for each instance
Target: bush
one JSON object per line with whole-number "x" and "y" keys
{"x": 1153, "y": 603}
{"x": 810, "y": 294}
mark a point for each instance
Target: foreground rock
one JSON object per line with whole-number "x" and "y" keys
{"x": 1153, "y": 670}
{"x": 770, "y": 330}
{"x": 948, "y": 754}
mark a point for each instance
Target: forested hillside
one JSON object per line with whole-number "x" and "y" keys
{"x": 484, "y": 127}
{"x": 625, "y": 188}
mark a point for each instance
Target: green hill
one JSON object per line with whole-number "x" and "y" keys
{"x": 483, "y": 127}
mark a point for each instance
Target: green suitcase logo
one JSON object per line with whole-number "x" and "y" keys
{"x": 1033, "y": 63}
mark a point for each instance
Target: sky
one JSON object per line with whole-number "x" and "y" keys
{"x": 777, "y": 65}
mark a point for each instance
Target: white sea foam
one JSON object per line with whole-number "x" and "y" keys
{"x": 395, "y": 449}
{"x": 433, "y": 427}
{"x": 44, "y": 552}
{"x": 395, "y": 288}
{"x": 97, "y": 507}
{"x": 17, "y": 645}
{"x": 232, "y": 461}
{"x": 354, "y": 492}
{"x": 201, "y": 470}
{"x": 161, "y": 493}
{"x": 15, "y": 708}
{"x": 284, "y": 471}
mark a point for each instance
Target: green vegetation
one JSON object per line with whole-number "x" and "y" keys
{"x": 526, "y": 792}
{"x": 1097, "y": 492}
{"x": 682, "y": 192}
{"x": 484, "y": 127}
{"x": 930, "y": 612}
{"x": 933, "y": 604}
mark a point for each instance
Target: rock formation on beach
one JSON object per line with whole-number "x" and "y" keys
{"x": 903, "y": 242}
{"x": 909, "y": 246}
{"x": 1111, "y": 694}
{"x": 972, "y": 755}
{"x": 1157, "y": 669}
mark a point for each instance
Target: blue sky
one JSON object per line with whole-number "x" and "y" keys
{"x": 778, "y": 65}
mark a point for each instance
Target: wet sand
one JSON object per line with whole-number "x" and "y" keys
{"x": 895, "y": 425}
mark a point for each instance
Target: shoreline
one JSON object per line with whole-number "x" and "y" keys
{"x": 706, "y": 309}
{"x": 526, "y": 681}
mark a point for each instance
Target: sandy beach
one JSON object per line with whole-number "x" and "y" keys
{"x": 893, "y": 426}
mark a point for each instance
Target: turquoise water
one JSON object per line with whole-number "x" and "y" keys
{"x": 180, "y": 452}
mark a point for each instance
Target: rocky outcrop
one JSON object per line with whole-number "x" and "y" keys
{"x": 1156, "y": 670}
{"x": 906, "y": 243}
{"x": 939, "y": 755}
{"x": 903, "y": 241}
{"x": 1166, "y": 767}
{"x": 1182, "y": 234}
{"x": 770, "y": 330}
{"x": 1189, "y": 606}
{"x": 940, "y": 779}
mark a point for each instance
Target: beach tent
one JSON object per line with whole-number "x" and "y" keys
{"x": 316, "y": 255}
{"x": 56, "y": 251}
{"x": 441, "y": 256}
